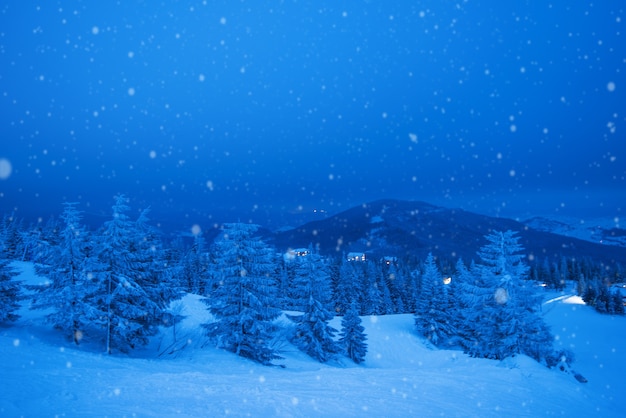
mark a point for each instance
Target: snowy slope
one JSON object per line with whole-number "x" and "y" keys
{"x": 42, "y": 375}
{"x": 605, "y": 231}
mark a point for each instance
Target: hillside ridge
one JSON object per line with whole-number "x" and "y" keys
{"x": 415, "y": 228}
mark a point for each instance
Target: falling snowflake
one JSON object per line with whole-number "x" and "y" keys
{"x": 5, "y": 169}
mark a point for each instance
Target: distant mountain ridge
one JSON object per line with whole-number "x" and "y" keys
{"x": 413, "y": 228}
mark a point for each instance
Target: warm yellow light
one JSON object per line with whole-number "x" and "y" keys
{"x": 447, "y": 280}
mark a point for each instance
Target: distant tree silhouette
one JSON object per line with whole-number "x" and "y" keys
{"x": 10, "y": 292}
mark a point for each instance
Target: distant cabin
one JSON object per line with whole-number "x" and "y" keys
{"x": 297, "y": 252}
{"x": 389, "y": 260}
{"x": 355, "y": 257}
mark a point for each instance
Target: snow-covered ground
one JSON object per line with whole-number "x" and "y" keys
{"x": 600, "y": 230}
{"x": 43, "y": 375}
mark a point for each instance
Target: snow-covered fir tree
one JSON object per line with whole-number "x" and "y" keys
{"x": 283, "y": 283}
{"x": 475, "y": 324}
{"x": 67, "y": 291}
{"x": 432, "y": 316}
{"x": 195, "y": 266}
{"x": 49, "y": 238}
{"x": 10, "y": 292}
{"x": 504, "y": 309}
{"x": 132, "y": 314}
{"x": 244, "y": 300}
{"x": 31, "y": 244}
{"x": 310, "y": 276}
{"x": 396, "y": 282}
{"x": 11, "y": 237}
{"x": 386, "y": 303}
{"x": 158, "y": 277}
{"x": 372, "y": 295}
{"x": 313, "y": 335}
{"x": 347, "y": 286}
{"x": 463, "y": 282}
{"x": 596, "y": 292}
{"x": 352, "y": 337}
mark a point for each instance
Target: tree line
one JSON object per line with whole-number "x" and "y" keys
{"x": 117, "y": 284}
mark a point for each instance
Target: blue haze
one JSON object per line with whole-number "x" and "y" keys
{"x": 210, "y": 111}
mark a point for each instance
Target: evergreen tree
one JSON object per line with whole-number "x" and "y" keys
{"x": 284, "y": 282}
{"x": 66, "y": 292}
{"x": 352, "y": 337}
{"x": 509, "y": 321}
{"x": 617, "y": 302}
{"x": 546, "y": 274}
{"x": 31, "y": 242}
{"x": 10, "y": 292}
{"x": 157, "y": 277}
{"x": 10, "y": 237}
{"x": 132, "y": 314}
{"x": 311, "y": 277}
{"x": 196, "y": 267}
{"x": 564, "y": 274}
{"x": 244, "y": 301}
{"x": 386, "y": 305}
{"x": 475, "y": 324}
{"x": 49, "y": 239}
{"x": 347, "y": 286}
{"x": 397, "y": 285}
{"x": 412, "y": 290}
{"x": 313, "y": 335}
{"x": 372, "y": 294}
{"x": 432, "y": 317}
{"x": 462, "y": 281}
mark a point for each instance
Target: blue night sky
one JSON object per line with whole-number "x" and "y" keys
{"x": 262, "y": 110}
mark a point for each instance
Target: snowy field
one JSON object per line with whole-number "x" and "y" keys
{"x": 41, "y": 375}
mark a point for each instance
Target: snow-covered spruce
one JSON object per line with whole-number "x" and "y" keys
{"x": 432, "y": 316}
{"x": 10, "y": 292}
{"x": 352, "y": 337}
{"x": 243, "y": 300}
{"x": 313, "y": 334}
{"x": 68, "y": 291}
{"x": 501, "y": 308}
{"x": 131, "y": 298}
